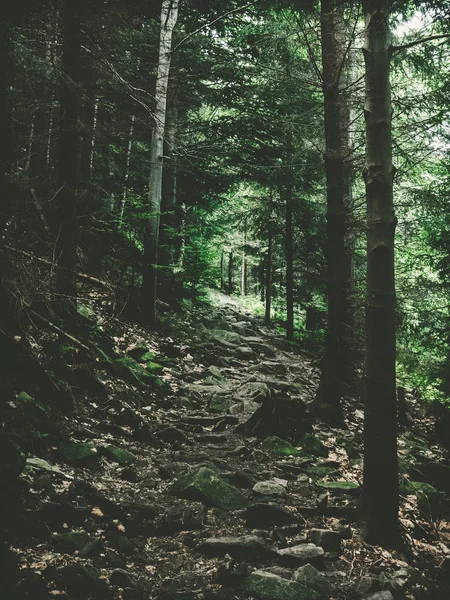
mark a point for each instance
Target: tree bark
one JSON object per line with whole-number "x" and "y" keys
{"x": 169, "y": 15}
{"x": 7, "y": 144}
{"x": 288, "y": 192}
{"x": 268, "y": 282}
{"x": 230, "y": 273}
{"x": 337, "y": 365}
{"x": 126, "y": 176}
{"x": 379, "y": 501}
{"x": 68, "y": 162}
{"x": 244, "y": 262}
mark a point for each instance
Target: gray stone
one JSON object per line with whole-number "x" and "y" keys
{"x": 262, "y": 584}
{"x": 244, "y": 546}
{"x": 263, "y": 515}
{"x": 302, "y": 554}
{"x": 245, "y": 353}
{"x": 220, "y": 404}
{"x": 385, "y": 595}
{"x": 205, "y": 485}
{"x": 269, "y": 488}
{"x": 329, "y": 540}
{"x": 255, "y": 390}
{"x": 269, "y": 368}
{"x": 221, "y": 335}
{"x": 313, "y": 579}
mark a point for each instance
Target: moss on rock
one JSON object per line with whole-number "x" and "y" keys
{"x": 278, "y": 447}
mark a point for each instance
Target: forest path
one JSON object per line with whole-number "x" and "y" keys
{"x": 196, "y": 508}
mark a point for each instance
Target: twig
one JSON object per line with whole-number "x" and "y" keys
{"x": 60, "y": 331}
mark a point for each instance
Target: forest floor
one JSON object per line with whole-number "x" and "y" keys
{"x": 154, "y": 495}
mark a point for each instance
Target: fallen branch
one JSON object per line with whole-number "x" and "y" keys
{"x": 57, "y": 329}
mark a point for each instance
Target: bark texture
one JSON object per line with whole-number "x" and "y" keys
{"x": 337, "y": 367}
{"x": 68, "y": 160}
{"x": 7, "y": 146}
{"x": 169, "y": 16}
{"x": 379, "y": 502}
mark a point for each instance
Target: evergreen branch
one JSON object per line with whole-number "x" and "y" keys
{"x": 430, "y": 38}
{"x": 227, "y": 14}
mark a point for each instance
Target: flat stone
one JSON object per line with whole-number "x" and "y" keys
{"x": 269, "y": 368}
{"x": 313, "y": 579}
{"x": 262, "y": 584}
{"x": 341, "y": 487}
{"x": 207, "y": 486}
{"x": 262, "y": 515}
{"x": 245, "y": 546}
{"x": 329, "y": 540}
{"x": 302, "y": 554}
{"x": 278, "y": 447}
{"x": 269, "y": 488}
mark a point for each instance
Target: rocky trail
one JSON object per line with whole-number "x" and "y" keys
{"x": 164, "y": 493}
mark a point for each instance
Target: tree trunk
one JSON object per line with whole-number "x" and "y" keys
{"x": 88, "y": 126}
{"x": 230, "y": 273}
{"x": 244, "y": 262}
{"x": 7, "y": 145}
{"x": 169, "y": 15}
{"x": 169, "y": 191}
{"x": 379, "y": 501}
{"x": 66, "y": 199}
{"x": 222, "y": 280}
{"x": 337, "y": 365}
{"x": 288, "y": 192}
{"x": 126, "y": 176}
{"x": 269, "y": 265}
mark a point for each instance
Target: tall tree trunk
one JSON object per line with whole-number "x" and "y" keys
{"x": 126, "y": 176}
{"x": 288, "y": 193}
{"x": 379, "y": 501}
{"x": 222, "y": 279}
{"x": 7, "y": 145}
{"x": 337, "y": 366}
{"x": 267, "y": 317}
{"x": 169, "y": 191}
{"x": 230, "y": 273}
{"x": 244, "y": 262}
{"x": 89, "y": 124}
{"x": 169, "y": 15}
{"x": 68, "y": 162}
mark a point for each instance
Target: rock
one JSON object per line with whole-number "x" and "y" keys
{"x": 231, "y": 572}
{"x": 12, "y": 460}
{"x": 385, "y": 595}
{"x": 313, "y": 579}
{"x": 264, "y": 515}
{"x": 119, "y": 455}
{"x": 341, "y": 487}
{"x": 35, "y": 467}
{"x": 83, "y": 582}
{"x": 129, "y": 417}
{"x": 86, "y": 311}
{"x": 329, "y": 540}
{"x": 139, "y": 350}
{"x": 269, "y": 488}
{"x": 221, "y": 335}
{"x": 114, "y": 560}
{"x": 278, "y": 447}
{"x": 122, "y": 579}
{"x": 242, "y": 479}
{"x": 255, "y": 391}
{"x": 269, "y": 368}
{"x": 220, "y": 404}
{"x": 245, "y": 353}
{"x": 312, "y": 445}
{"x": 244, "y": 546}
{"x": 82, "y": 453}
{"x": 262, "y": 584}
{"x": 172, "y": 435}
{"x": 71, "y": 541}
{"x": 178, "y": 519}
{"x": 92, "y": 548}
{"x": 214, "y": 372}
{"x": 302, "y": 554}
{"x": 259, "y": 347}
{"x": 204, "y": 485}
